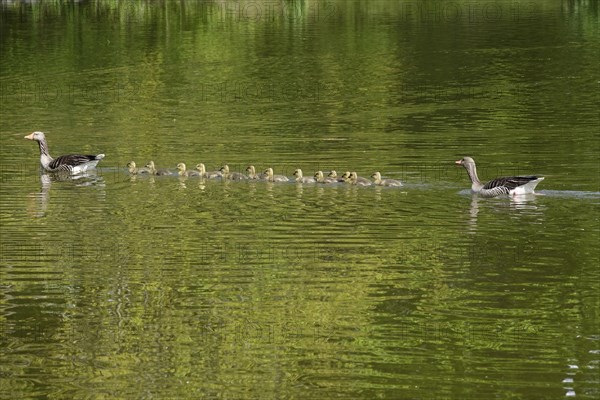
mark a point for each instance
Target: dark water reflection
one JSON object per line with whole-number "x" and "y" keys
{"x": 120, "y": 286}
{"x": 296, "y": 282}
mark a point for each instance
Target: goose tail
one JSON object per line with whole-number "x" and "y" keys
{"x": 529, "y": 187}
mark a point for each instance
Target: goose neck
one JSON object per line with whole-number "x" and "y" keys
{"x": 43, "y": 147}
{"x": 472, "y": 172}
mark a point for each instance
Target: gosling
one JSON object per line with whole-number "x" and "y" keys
{"x": 182, "y": 171}
{"x": 234, "y": 176}
{"x": 154, "y": 171}
{"x": 274, "y": 178}
{"x": 385, "y": 182}
{"x": 201, "y": 168}
{"x": 300, "y": 178}
{"x": 359, "y": 181}
{"x": 134, "y": 170}
{"x": 333, "y": 174}
{"x": 346, "y": 177}
{"x": 320, "y": 178}
{"x": 253, "y": 175}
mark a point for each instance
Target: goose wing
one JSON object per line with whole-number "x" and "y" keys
{"x": 71, "y": 160}
{"x": 509, "y": 182}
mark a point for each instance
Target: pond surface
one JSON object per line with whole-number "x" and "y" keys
{"x": 114, "y": 286}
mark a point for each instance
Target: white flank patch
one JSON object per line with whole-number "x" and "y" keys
{"x": 527, "y": 188}
{"x": 84, "y": 167}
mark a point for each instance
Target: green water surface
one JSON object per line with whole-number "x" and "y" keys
{"x": 114, "y": 286}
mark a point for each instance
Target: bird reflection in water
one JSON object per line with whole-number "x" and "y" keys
{"x": 38, "y": 201}
{"x": 519, "y": 202}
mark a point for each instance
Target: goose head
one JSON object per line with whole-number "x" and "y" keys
{"x": 224, "y": 169}
{"x": 181, "y": 168}
{"x": 319, "y": 175}
{"x": 376, "y": 176}
{"x": 298, "y": 173}
{"x": 469, "y": 164}
{"x": 37, "y": 136}
{"x": 201, "y": 168}
{"x": 333, "y": 174}
{"x": 150, "y": 165}
{"x": 465, "y": 162}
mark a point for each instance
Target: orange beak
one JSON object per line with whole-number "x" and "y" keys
{"x": 30, "y": 136}
{"x": 459, "y": 162}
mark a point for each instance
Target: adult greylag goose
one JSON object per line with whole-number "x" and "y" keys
{"x": 320, "y": 178}
{"x": 511, "y": 185}
{"x": 384, "y": 182}
{"x": 210, "y": 175}
{"x": 134, "y": 170}
{"x": 357, "y": 180}
{"x": 183, "y": 171}
{"x": 252, "y": 173}
{"x": 155, "y": 171}
{"x": 234, "y": 176}
{"x": 72, "y": 163}
{"x": 301, "y": 178}
{"x": 274, "y": 178}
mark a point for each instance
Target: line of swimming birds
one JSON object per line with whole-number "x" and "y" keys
{"x": 79, "y": 163}
{"x": 266, "y": 175}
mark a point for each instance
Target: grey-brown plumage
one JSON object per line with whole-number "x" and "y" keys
{"x": 511, "y": 185}
{"x": 71, "y": 163}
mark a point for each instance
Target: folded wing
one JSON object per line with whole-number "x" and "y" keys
{"x": 509, "y": 182}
